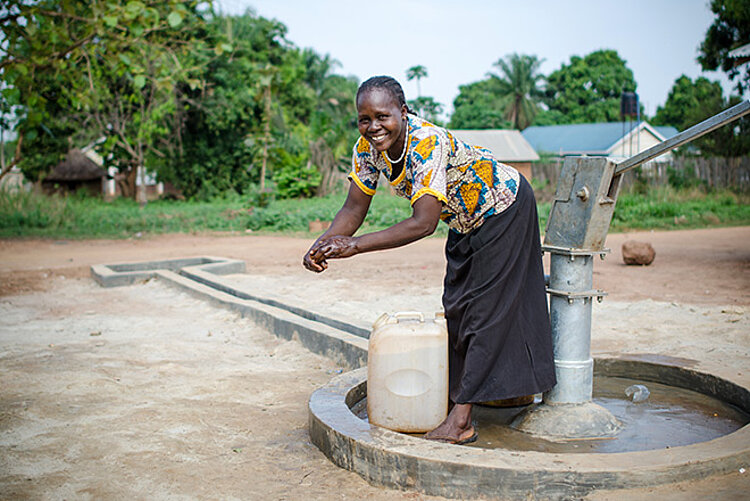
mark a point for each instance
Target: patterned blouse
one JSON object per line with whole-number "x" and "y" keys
{"x": 470, "y": 183}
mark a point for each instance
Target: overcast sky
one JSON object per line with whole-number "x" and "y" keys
{"x": 458, "y": 41}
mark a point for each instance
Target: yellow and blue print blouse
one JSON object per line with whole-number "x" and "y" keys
{"x": 471, "y": 184}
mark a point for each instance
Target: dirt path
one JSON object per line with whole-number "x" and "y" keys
{"x": 696, "y": 266}
{"x": 143, "y": 392}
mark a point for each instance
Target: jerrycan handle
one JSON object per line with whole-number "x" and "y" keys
{"x": 409, "y": 315}
{"x": 382, "y": 319}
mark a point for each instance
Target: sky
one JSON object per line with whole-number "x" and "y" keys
{"x": 459, "y": 41}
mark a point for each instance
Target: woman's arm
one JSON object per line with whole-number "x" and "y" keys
{"x": 423, "y": 221}
{"x": 347, "y": 221}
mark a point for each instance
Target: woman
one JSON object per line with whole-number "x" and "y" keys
{"x": 499, "y": 334}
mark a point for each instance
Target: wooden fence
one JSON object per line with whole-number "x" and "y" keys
{"x": 710, "y": 172}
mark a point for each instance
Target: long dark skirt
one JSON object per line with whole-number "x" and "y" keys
{"x": 496, "y": 307}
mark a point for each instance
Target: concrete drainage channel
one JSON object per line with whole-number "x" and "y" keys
{"x": 401, "y": 461}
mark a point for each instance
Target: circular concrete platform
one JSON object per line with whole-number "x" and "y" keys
{"x": 401, "y": 461}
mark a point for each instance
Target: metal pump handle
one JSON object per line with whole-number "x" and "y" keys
{"x": 694, "y": 132}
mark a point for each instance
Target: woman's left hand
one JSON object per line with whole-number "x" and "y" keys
{"x": 335, "y": 247}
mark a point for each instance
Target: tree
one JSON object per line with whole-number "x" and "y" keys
{"x": 104, "y": 67}
{"x": 419, "y": 72}
{"x": 518, "y": 85}
{"x": 588, "y": 89}
{"x": 689, "y": 103}
{"x": 478, "y": 106}
{"x": 333, "y": 130}
{"x": 251, "y": 98}
{"x": 427, "y": 108}
{"x": 688, "y": 100}
{"x": 730, "y": 30}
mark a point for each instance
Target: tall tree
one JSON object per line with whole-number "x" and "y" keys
{"x": 689, "y": 103}
{"x": 478, "y": 106}
{"x": 519, "y": 86}
{"x": 588, "y": 88}
{"x": 427, "y": 108}
{"x": 225, "y": 119}
{"x": 113, "y": 68}
{"x": 417, "y": 72}
{"x": 730, "y": 30}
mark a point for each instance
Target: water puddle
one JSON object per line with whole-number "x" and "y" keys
{"x": 669, "y": 417}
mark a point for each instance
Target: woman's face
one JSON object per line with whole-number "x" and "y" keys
{"x": 380, "y": 118}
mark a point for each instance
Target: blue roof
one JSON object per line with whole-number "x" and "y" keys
{"x": 576, "y": 138}
{"x": 665, "y": 130}
{"x": 591, "y": 139}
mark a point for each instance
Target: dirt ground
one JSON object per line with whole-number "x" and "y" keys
{"x": 143, "y": 392}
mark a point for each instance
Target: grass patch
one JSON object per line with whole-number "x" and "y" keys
{"x": 666, "y": 208}
{"x": 77, "y": 216}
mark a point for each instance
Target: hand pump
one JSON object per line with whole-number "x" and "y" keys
{"x": 576, "y": 231}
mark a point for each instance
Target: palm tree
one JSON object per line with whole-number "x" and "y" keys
{"x": 417, "y": 72}
{"x": 519, "y": 84}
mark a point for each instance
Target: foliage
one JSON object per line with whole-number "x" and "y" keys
{"x": 265, "y": 102}
{"x": 27, "y": 214}
{"x": 668, "y": 208}
{"x": 519, "y": 90}
{"x": 291, "y": 180}
{"x": 689, "y": 103}
{"x": 206, "y": 102}
{"x": 587, "y": 89}
{"x": 687, "y": 100}
{"x": 427, "y": 108}
{"x": 501, "y": 101}
{"x": 112, "y": 69}
{"x": 223, "y": 135}
{"x": 478, "y": 106}
{"x": 417, "y": 72}
{"x": 681, "y": 179}
{"x": 730, "y": 29}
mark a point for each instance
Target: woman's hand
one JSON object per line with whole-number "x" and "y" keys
{"x": 348, "y": 219}
{"x": 338, "y": 246}
{"x": 314, "y": 264}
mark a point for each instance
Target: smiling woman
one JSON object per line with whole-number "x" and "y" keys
{"x": 493, "y": 294}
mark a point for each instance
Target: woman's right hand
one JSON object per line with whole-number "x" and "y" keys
{"x": 313, "y": 260}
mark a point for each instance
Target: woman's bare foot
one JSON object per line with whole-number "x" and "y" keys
{"x": 456, "y": 428}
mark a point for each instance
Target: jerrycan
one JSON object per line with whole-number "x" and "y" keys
{"x": 407, "y": 372}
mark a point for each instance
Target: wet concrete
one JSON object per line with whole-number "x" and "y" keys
{"x": 670, "y": 417}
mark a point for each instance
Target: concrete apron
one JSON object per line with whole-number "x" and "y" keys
{"x": 401, "y": 461}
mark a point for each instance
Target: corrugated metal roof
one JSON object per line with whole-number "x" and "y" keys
{"x": 505, "y": 145}
{"x": 665, "y": 130}
{"x": 743, "y": 51}
{"x": 592, "y": 139}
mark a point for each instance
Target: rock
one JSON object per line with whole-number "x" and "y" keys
{"x": 634, "y": 252}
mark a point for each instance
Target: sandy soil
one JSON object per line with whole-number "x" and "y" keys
{"x": 143, "y": 392}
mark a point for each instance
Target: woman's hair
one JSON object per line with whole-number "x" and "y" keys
{"x": 388, "y": 84}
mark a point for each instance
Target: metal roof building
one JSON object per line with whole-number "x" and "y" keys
{"x": 508, "y": 146}
{"x": 612, "y": 139}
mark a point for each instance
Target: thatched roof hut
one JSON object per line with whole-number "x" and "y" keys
{"x": 75, "y": 172}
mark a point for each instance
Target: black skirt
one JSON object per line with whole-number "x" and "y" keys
{"x": 496, "y": 307}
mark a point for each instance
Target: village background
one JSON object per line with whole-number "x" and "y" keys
{"x": 137, "y": 131}
{"x": 214, "y": 115}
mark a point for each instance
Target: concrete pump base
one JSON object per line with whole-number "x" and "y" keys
{"x": 397, "y": 460}
{"x": 568, "y": 421}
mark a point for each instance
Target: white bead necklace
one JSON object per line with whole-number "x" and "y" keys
{"x": 403, "y": 152}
